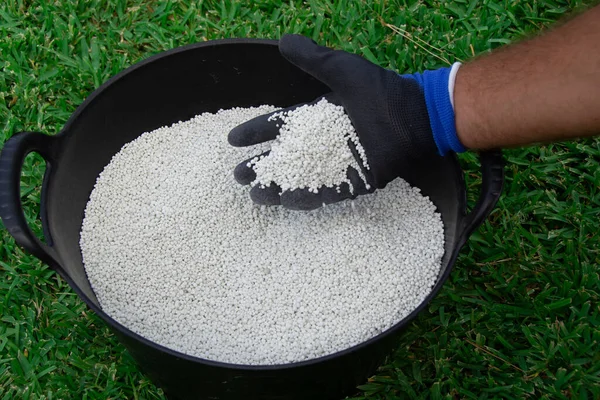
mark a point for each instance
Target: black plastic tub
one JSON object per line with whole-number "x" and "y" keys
{"x": 174, "y": 86}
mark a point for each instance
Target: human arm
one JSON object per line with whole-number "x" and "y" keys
{"x": 539, "y": 90}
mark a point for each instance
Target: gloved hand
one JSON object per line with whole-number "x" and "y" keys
{"x": 398, "y": 118}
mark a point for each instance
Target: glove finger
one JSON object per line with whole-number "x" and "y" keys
{"x": 266, "y": 196}
{"x": 261, "y": 129}
{"x": 255, "y": 131}
{"x": 321, "y": 62}
{"x": 358, "y": 185}
{"x": 301, "y": 200}
{"x": 244, "y": 174}
{"x": 335, "y": 195}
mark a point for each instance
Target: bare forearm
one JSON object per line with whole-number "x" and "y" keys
{"x": 544, "y": 89}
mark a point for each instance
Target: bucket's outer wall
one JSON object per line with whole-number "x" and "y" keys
{"x": 175, "y": 86}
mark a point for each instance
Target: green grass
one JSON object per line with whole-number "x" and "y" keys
{"x": 520, "y": 315}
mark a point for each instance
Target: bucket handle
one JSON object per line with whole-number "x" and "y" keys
{"x": 11, "y": 209}
{"x": 492, "y": 180}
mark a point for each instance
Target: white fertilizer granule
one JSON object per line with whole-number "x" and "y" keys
{"x": 312, "y": 139}
{"x": 176, "y": 251}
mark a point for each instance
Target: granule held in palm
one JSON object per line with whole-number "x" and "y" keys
{"x": 176, "y": 251}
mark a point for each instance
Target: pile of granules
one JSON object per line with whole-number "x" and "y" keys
{"x": 176, "y": 252}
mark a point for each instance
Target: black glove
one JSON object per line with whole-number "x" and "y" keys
{"x": 389, "y": 113}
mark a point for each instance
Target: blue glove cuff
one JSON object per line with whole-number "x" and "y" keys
{"x": 440, "y": 109}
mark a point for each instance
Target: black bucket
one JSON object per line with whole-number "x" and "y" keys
{"x": 175, "y": 86}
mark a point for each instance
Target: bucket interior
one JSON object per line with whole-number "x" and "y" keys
{"x": 174, "y": 87}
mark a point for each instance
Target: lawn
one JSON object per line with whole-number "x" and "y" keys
{"x": 520, "y": 315}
